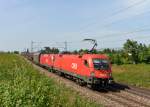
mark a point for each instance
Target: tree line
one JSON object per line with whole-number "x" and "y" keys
{"x": 131, "y": 53}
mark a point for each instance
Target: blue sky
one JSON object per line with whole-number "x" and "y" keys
{"x": 51, "y": 22}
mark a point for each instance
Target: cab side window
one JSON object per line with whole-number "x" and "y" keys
{"x": 86, "y": 63}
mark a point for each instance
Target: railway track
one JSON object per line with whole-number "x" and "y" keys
{"x": 132, "y": 97}
{"x": 132, "y": 89}
{"x": 117, "y": 95}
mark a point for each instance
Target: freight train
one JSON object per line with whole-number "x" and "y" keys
{"x": 92, "y": 70}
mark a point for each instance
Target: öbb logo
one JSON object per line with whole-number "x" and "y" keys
{"x": 74, "y": 66}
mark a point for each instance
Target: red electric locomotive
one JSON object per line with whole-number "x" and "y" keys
{"x": 87, "y": 69}
{"x": 91, "y": 69}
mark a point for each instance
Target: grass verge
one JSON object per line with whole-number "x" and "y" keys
{"x": 137, "y": 75}
{"x": 22, "y": 86}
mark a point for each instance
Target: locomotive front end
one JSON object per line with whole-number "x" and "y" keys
{"x": 101, "y": 74}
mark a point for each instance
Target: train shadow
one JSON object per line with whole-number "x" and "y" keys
{"x": 115, "y": 87}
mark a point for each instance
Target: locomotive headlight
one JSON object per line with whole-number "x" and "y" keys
{"x": 92, "y": 74}
{"x": 110, "y": 74}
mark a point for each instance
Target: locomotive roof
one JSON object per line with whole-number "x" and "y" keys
{"x": 103, "y": 56}
{"x": 96, "y": 56}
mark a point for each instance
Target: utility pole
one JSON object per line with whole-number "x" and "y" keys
{"x": 32, "y": 46}
{"x": 35, "y": 45}
{"x": 66, "y": 45}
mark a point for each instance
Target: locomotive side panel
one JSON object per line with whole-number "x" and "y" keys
{"x": 45, "y": 60}
{"x": 57, "y": 62}
{"x": 74, "y": 65}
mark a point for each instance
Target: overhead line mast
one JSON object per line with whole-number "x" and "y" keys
{"x": 66, "y": 45}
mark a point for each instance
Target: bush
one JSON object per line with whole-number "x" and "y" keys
{"x": 16, "y": 52}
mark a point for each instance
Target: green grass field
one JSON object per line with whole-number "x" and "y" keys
{"x": 137, "y": 75}
{"x": 22, "y": 86}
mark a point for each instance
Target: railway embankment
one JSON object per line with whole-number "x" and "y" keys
{"x": 116, "y": 95}
{"x": 22, "y": 85}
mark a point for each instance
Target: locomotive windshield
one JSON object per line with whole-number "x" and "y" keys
{"x": 101, "y": 64}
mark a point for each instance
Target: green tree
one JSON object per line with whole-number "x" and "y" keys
{"x": 75, "y": 52}
{"x": 117, "y": 59}
{"x": 147, "y": 56}
{"x": 131, "y": 48}
{"x": 107, "y": 50}
{"x": 143, "y": 52}
{"x": 16, "y": 52}
{"x": 48, "y": 50}
{"x": 94, "y": 51}
{"x": 83, "y": 51}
